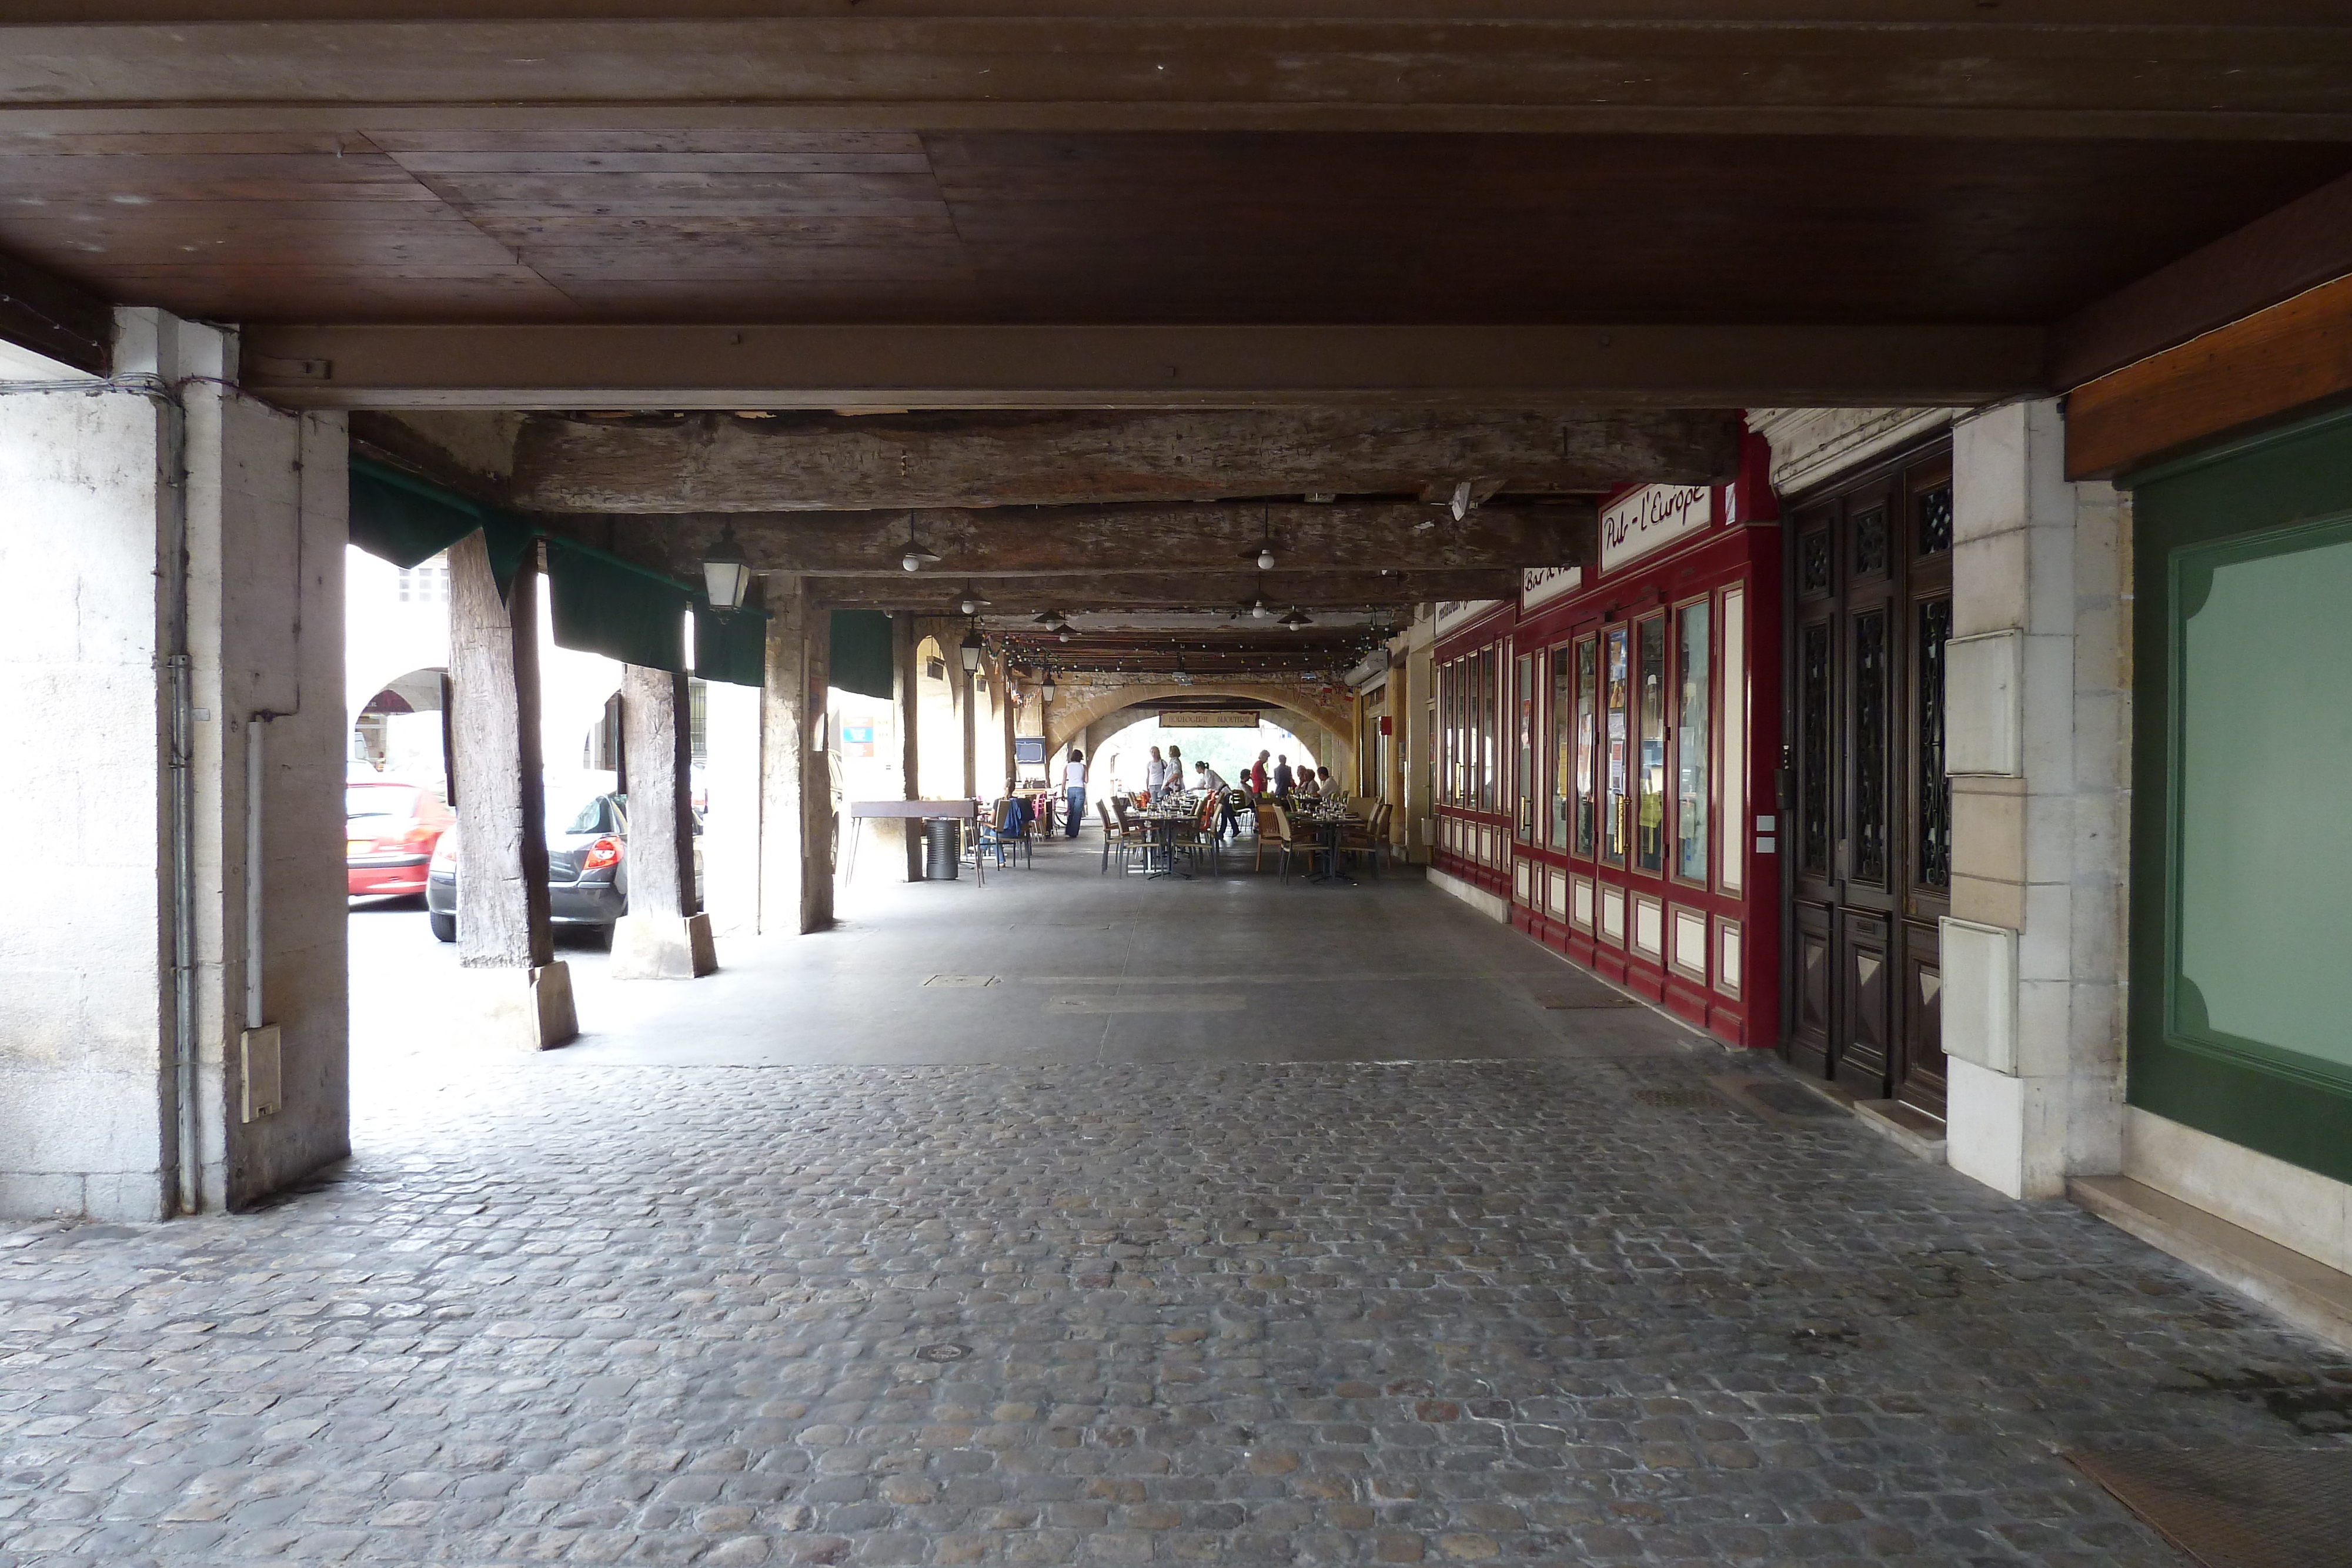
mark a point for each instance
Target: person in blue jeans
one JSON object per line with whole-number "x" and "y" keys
{"x": 1073, "y": 790}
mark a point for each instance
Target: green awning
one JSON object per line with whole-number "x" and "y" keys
{"x": 730, "y": 644}
{"x": 860, "y": 642}
{"x": 398, "y": 517}
{"x": 602, "y": 604}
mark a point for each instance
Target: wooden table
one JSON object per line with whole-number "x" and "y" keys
{"x": 1329, "y": 830}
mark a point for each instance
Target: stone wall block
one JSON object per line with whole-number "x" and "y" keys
{"x": 1989, "y": 583}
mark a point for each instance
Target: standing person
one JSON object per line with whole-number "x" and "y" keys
{"x": 1073, "y": 790}
{"x": 1257, "y": 773}
{"x": 1155, "y": 775}
{"x": 1281, "y": 778}
{"x": 1176, "y": 779}
{"x": 1209, "y": 778}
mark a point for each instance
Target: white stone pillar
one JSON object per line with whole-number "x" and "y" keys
{"x": 2038, "y": 738}
{"x": 173, "y": 674}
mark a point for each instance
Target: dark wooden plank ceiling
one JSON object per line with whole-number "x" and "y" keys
{"x": 805, "y": 226}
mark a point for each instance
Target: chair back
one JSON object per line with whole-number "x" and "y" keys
{"x": 1381, "y": 814}
{"x": 1110, "y": 826}
{"x": 1280, "y": 821}
{"x": 1206, "y": 817}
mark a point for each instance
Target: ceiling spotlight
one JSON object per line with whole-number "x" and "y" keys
{"x": 1259, "y": 609}
{"x": 1264, "y": 554}
{"x": 972, "y": 603}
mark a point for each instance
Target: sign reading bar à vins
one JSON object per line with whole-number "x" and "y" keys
{"x": 1218, "y": 718}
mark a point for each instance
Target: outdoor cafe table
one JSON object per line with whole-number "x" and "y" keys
{"x": 1329, "y": 828}
{"x": 1160, "y": 831}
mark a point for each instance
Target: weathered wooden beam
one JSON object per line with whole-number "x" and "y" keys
{"x": 1077, "y": 540}
{"x": 803, "y": 461}
{"x": 2159, "y": 67}
{"x": 1167, "y": 590}
{"x": 2270, "y": 365}
{"x": 43, "y": 312}
{"x": 909, "y": 367}
{"x": 2305, "y": 243}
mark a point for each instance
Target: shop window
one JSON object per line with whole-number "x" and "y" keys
{"x": 1588, "y": 665}
{"x": 1692, "y": 661}
{"x": 1563, "y": 748}
{"x": 1523, "y": 759}
{"x": 1489, "y": 679}
{"x": 1650, "y": 835}
{"x": 1734, "y": 730}
{"x": 1617, "y": 828}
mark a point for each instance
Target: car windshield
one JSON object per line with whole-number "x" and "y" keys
{"x": 378, "y": 800}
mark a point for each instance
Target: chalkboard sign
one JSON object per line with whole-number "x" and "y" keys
{"x": 1029, "y": 748}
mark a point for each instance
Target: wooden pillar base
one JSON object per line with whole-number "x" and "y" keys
{"x": 662, "y": 947}
{"x": 525, "y": 1009}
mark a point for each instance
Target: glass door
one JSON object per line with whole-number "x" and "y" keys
{"x": 1870, "y": 582}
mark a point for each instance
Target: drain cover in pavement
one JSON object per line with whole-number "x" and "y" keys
{"x": 1679, "y": 1099}
{"x": 2238, "y": 1508}
{"x": 942, "y": 1352}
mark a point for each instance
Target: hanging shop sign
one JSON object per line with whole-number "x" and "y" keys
{"x": 1453, "y": 613}
{"x": 1220, "y": 719}
{"x": 1651, "y": 517}
{"x": 1542, "y": 584}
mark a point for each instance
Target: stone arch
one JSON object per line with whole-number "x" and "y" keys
{"x": 1080, "y": 703}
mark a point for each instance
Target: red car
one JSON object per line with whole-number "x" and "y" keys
{"x": 389, "y": 835}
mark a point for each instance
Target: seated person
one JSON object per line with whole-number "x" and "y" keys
{"x": 1304, "y": 786}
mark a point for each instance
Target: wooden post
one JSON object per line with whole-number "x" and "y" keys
{"x": 909, "y": 694}
{"x": 502, "y": 918}
{"x": 971, "y": 738}
{"x": 662, "y": 938}
{"x": 796, "y": 816}
{"x": 1004, "y": 705}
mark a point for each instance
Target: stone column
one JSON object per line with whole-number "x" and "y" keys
{"x": 503, "y": 934}
{"x": 908, "y": 696}
{"x": 2038, "y": 741}
{"x": 796, "y": 816}
{"x": 172, "y": 1019}
{"x": 663, "y": 937}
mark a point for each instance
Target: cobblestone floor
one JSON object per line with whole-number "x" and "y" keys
{"x": 1552, "y": 1311}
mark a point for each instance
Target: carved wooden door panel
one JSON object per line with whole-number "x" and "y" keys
{"x": 1869, "y": 839}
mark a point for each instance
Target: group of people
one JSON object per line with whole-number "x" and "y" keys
{"x": 1164, "y": 776}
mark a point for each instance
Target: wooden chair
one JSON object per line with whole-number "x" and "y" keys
{"x": 1005, "y": 830}
{"x": 1293, "y": 846}
{"x": 1372, "y": 841}
{"x": 1115, "y": 837}
{"x": 1273, "y": 833}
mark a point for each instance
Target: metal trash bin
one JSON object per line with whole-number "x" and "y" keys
{"x": 942, "y": 850}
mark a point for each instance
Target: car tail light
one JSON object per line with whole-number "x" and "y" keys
{"x": 445, "y": 854}
{"x": 416, "y": 838}
{"x": 602, "y": 854}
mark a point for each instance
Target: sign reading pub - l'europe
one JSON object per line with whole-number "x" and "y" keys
{"x": 1653, "y": 516}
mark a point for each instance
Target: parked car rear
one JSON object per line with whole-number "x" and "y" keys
{"x": 587, "y": 860}
{"x": 390, "y": 830}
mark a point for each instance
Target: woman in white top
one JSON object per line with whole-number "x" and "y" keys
{"x": 1074, "y": 791}
{"x": 1155, "y": 774}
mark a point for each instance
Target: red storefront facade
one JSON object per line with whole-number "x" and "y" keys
{"x": 1608, "y": 748}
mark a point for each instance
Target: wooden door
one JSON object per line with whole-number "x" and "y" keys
{"x": 1869, "y": 839}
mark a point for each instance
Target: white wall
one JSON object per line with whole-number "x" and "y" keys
{"x": 2040, "y": 839}
{"x": 88, "y": 1109}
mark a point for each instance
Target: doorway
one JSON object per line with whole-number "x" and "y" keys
{"x": 1869, "y": 580}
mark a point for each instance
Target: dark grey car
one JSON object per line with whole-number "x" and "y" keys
{"x": 587, "y": 867}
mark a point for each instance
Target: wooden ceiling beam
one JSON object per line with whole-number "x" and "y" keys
{"x": 2301, "y": 245}
{"x": 1046, "y": 541}
{"x": 923, "y": 592}
{"x": 2075, "y": 68}
{"x": 803, "y": 461}
{"x": 61, "y": 320}
{"x": 947, "y": 366}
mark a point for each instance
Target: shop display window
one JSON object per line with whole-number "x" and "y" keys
{"x": 1617, "y": 803}
{"x": 1566, "y": 792}
{"x": 1523, "y": 768}
{"x": 1734, "y": 737}
{"x": 1588, "y": 667}
{"x": 1692, "y": 660}
{"x": 1650, "y": 829}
